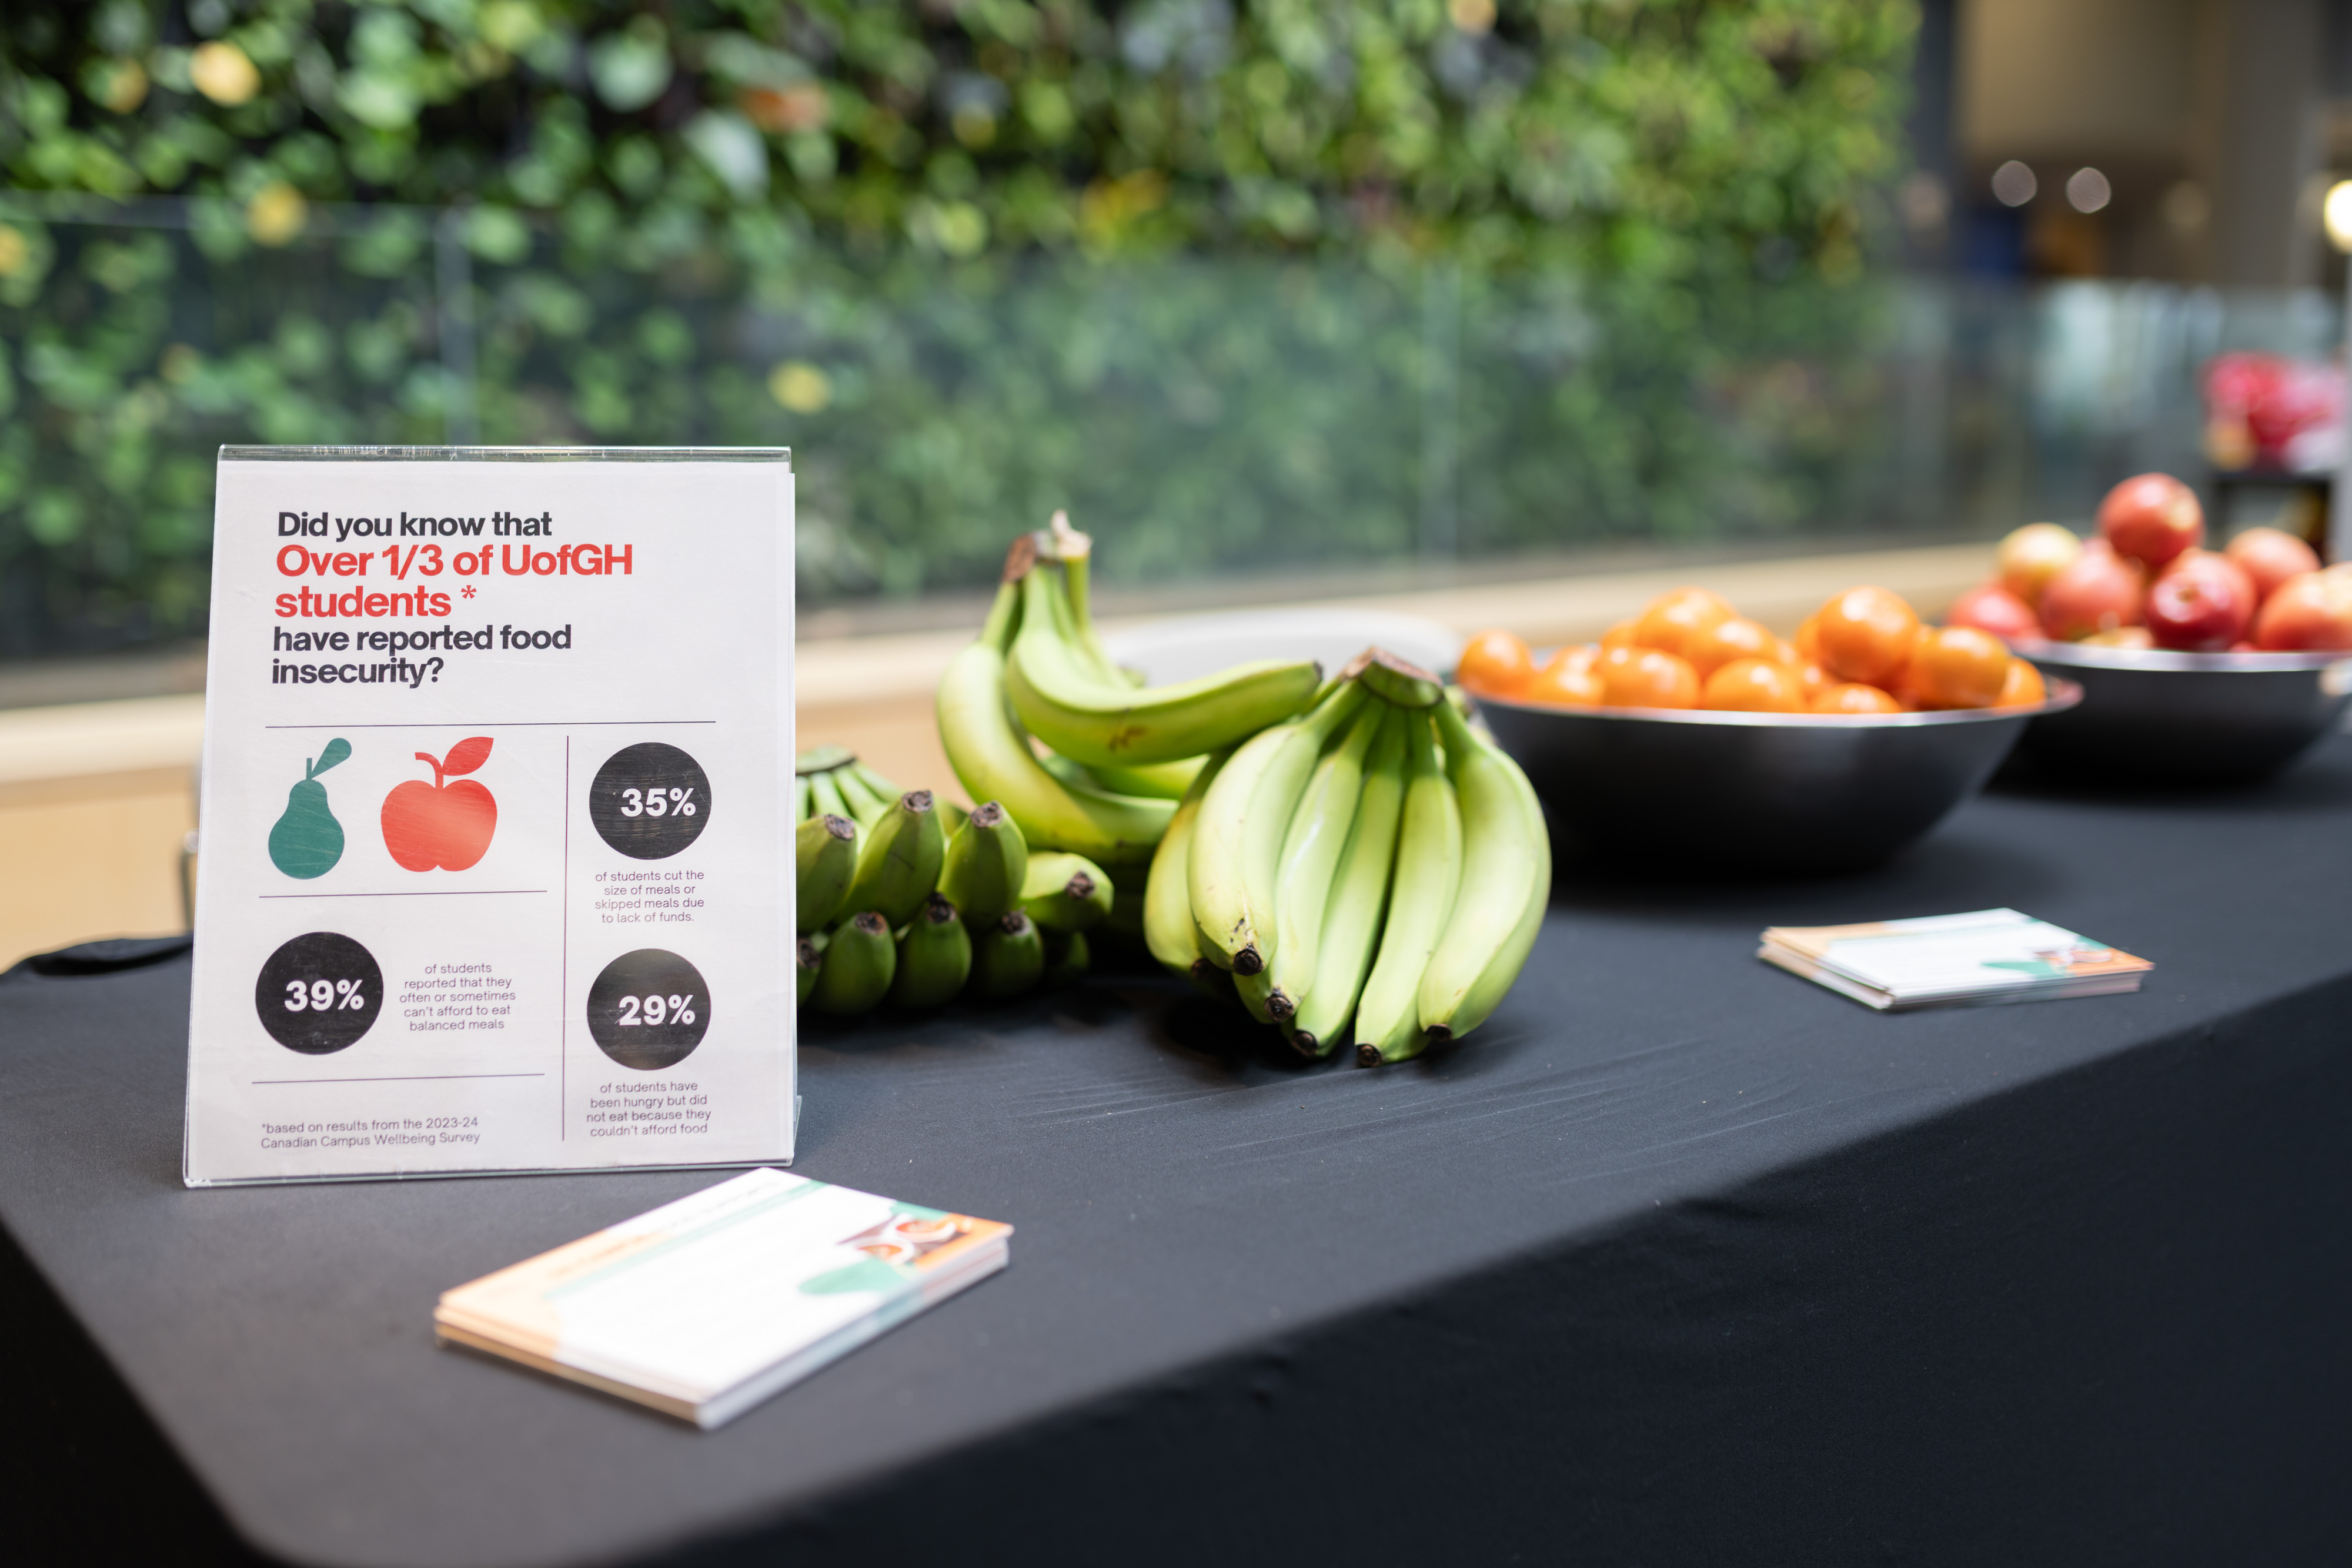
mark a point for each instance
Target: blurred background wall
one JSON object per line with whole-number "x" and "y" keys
{"x": 1266, "y": 290}
{"x": 2213, "y": 124}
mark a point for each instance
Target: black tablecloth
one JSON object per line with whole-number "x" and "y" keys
{"x": 1681, "y": 1260}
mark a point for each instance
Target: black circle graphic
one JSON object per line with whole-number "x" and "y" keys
{"x": 649, "y": 1010}
{"x": 649, "y": 800}
{"x": 318, "y": 993}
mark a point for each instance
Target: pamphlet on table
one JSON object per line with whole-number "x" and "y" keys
{"x": 707, "y": 1306}
{"x": 1953, "y": 960}
{"x": 496, "y": 866}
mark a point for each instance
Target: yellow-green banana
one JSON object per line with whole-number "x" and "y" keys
{"x": 1069, "y": 772}
{"x": 865, "y": 805}
{"x": 992, "y": 758}
{"x": 1506, "y": 885}
{"x": 1065, "y": 703}
{"x": 899, "y": 865}
{"x": 1167, "y": 928}
{"x": 801, "y": 797}
{"x": 986, "y": 863}
{"x": 1310, "y": 857}
{"x": 1158, "y": 781}
{"x": 860, "y": 962}
{"x": 1359, "y": 902}
{"x": 1256, "y": 994}
{"x": 1064, "y": 892}
{"x": 1212, "y": 982}
{"x": 881, "y": 788}
{"x": 1420, "y": 901}
{"x": 1237, "y": 837}
{"x": 824, "y": 796}
{"x": 1006, "y": 957}
{"x": 1154, "y": 781}
{"x": 934, "y": 956}
{"x": 809, "y": 961}
{"x": 825, "y": 862}
{"x": 1067, "y": 956}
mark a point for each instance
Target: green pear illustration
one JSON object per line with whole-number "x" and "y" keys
{"x": 308, "y": 840}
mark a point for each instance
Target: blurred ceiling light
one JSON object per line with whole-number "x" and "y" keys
{"x": 2338, "y": 215}
{"x": 2087, "y": 191}
{"x": 2014, "y": 184}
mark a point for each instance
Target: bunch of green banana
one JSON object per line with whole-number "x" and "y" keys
{"x": 1122, "y": 754}
{"x": 934, "y": 956}
{"x": 830, "y": 781}
{"x": 1373, "y": 870}
{"x": 907, "y": 900}
{"x": 1064, "y": 892}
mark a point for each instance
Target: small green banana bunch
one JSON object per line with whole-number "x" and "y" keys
{"x": 906, "y": 899}
{"x": 831, "y": 781}
{"x": 1122, "y": 754}
{"x": 1373, "y": 865}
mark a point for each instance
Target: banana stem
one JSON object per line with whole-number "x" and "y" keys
{"x": 1003, "y": 617}
{"x": 1455, "y": 733}
{"x": 1077, "y": 552}
{"x": 1075, "y": 567}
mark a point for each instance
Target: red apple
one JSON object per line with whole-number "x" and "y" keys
{"x": 2310, "y": 611}
{"x": 2271, "y": 556}
{"x": 442, "y": 824}
{"x": 2152, "y": 519}
{"x": 2099, "y": 592}
{"x": 1989, "y": 607}
{"x": 2201, "y": 603}
{"x": 2031, "y": 556}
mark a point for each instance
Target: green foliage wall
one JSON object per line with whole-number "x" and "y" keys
{"x": 966, "y": 257}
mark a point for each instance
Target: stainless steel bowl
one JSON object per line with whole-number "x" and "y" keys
{"x": 2208, "y": 717}
{"x": 1750, "y": 792}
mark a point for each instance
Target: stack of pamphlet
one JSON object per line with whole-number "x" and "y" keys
{"x": 1953, "y": 960}
{"x": 704, "y": 1307}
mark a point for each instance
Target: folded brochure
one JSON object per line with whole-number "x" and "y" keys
{"x": 1953, "y": 960}
{"x": 705, "y": 1307}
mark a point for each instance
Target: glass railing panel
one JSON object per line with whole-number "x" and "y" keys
{"x": 1221, "y": 423}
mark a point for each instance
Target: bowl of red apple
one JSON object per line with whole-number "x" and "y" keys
{"x": 2196, "y": 664}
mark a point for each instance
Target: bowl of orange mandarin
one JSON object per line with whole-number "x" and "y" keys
{"x": 1693, "y": 736}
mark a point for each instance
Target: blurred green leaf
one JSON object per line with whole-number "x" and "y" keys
{"x": 1165, "y": 262}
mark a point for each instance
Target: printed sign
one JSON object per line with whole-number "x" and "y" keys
{"x": 496, "y": 841}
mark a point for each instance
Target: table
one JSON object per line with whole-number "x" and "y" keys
{"x": 1681, "y": 1260}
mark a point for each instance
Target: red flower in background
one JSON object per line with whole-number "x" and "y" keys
{"x": 2268, "y": 411}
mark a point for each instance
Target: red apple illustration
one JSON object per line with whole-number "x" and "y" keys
{"x": 442, "y": 824}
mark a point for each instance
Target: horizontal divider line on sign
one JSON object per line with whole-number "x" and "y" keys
{"x": 501, "y": 724}
{"x": 416, "y": 893}
{"x": 408, "y": 1078}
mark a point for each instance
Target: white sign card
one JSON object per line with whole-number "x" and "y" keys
{"x": 496, "y": 858}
